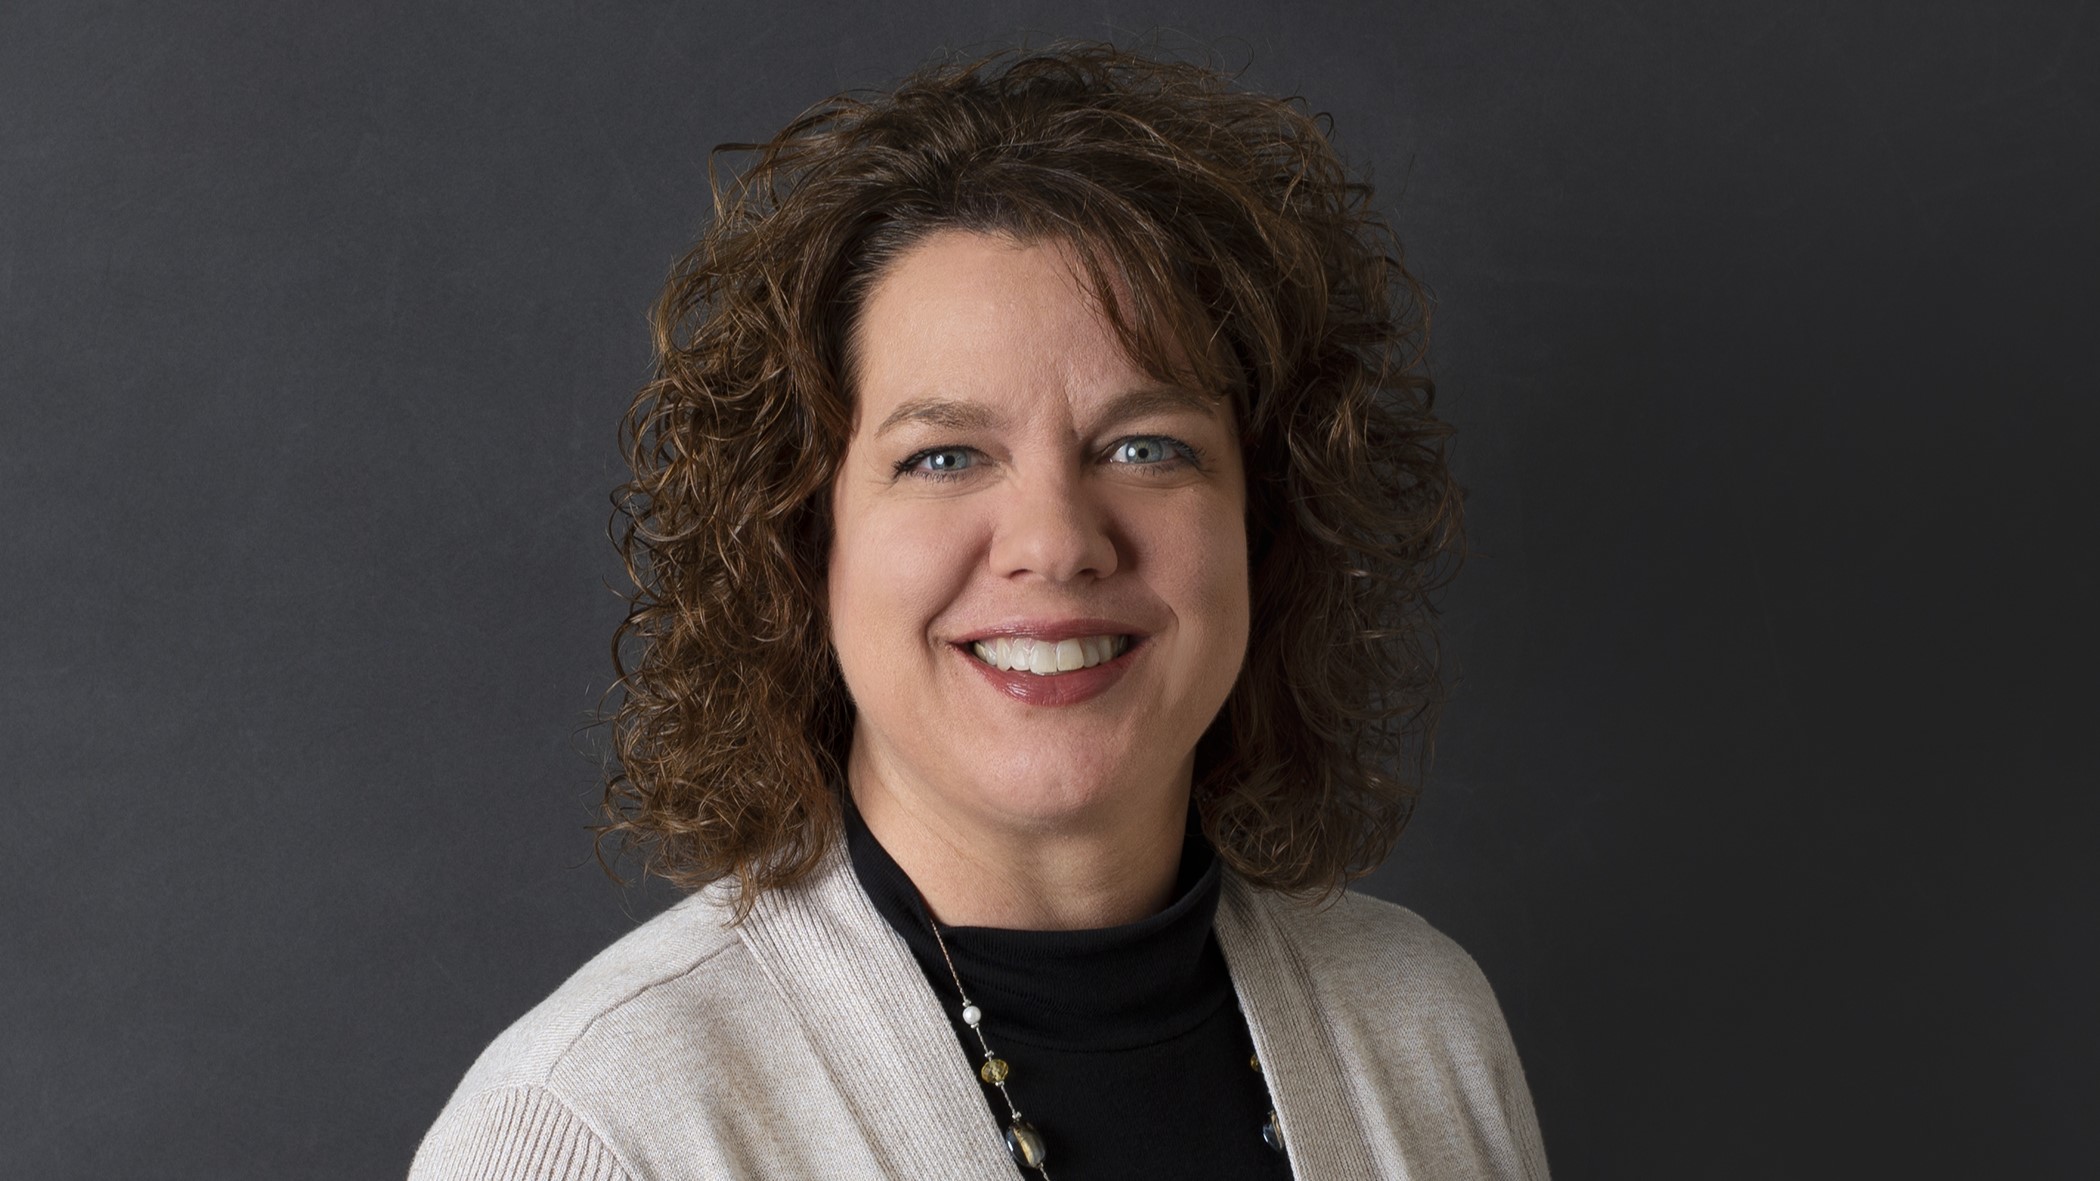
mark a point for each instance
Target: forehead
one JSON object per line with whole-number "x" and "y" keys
{"x": 962, "y": 298}
{"x": 965, "y": 316}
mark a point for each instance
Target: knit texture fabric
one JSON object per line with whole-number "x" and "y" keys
{"x": 806, "y": 1042}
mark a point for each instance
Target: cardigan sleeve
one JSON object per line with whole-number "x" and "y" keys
{"x": 515, "y": 1133}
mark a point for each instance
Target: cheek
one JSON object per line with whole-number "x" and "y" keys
{"x": 1223, "y": 562}
{"x": 1199, "y": 566}
{"x": 1225, "y": 589}
{"x": 891, "y": 574}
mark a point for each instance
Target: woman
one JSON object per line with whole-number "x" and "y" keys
{"x": 1033, "y": 516}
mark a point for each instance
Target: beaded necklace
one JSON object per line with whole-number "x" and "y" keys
{"x": 1024, "y": 1142}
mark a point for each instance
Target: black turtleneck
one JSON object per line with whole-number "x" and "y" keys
{"x": 1127, "y": 1050}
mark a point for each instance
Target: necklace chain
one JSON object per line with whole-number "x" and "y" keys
{"x": 1022, "y": 1140}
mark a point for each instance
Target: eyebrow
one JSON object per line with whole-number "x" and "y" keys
{"x": 954, "y": 415}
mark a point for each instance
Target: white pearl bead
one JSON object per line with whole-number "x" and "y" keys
{"x": 972, "y": 1015}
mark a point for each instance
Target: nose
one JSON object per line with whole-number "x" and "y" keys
{"x": 1048, "y": 527}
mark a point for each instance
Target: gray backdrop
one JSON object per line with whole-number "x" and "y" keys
{"x": 1765, "y": 795}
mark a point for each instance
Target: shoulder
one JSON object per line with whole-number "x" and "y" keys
{"x": 539, "y": 1092}
{"x": 616, "y": 983}
{"x": 1365, "y": 947}
{"x": 1400, "y": 980}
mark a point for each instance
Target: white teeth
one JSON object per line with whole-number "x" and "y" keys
{"x": 1042, "y": 658}
{"x": 1046, "y": 658}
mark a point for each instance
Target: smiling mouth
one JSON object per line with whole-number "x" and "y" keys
{"x": 1048, "y": 658}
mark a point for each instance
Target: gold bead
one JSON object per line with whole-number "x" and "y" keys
{"x": 1254, "y": 1060}
{"x": 994, "y": 1070}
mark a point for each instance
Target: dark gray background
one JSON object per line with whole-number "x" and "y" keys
{"x": 1766, "y": 796}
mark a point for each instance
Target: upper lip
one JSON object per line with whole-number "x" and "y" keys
{"x": 1054, "y": 629}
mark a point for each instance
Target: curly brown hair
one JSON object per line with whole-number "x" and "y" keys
{"x": 1214, "y": 225}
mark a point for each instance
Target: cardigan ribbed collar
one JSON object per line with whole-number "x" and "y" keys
{"x": 849, "y": 986}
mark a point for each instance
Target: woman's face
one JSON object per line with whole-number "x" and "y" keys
{"x": 1017, "y": 491}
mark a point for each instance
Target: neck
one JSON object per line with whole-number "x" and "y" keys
{"x": 982, "y": 870}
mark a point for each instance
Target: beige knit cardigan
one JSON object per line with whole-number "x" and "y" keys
{"x": 805, "y": 1043}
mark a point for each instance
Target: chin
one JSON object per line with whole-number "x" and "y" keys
{"x": 1023, "y": 795}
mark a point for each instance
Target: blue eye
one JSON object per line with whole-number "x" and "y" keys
{"x": 1151, "y": 450}
{"x": 937, "y": 462}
